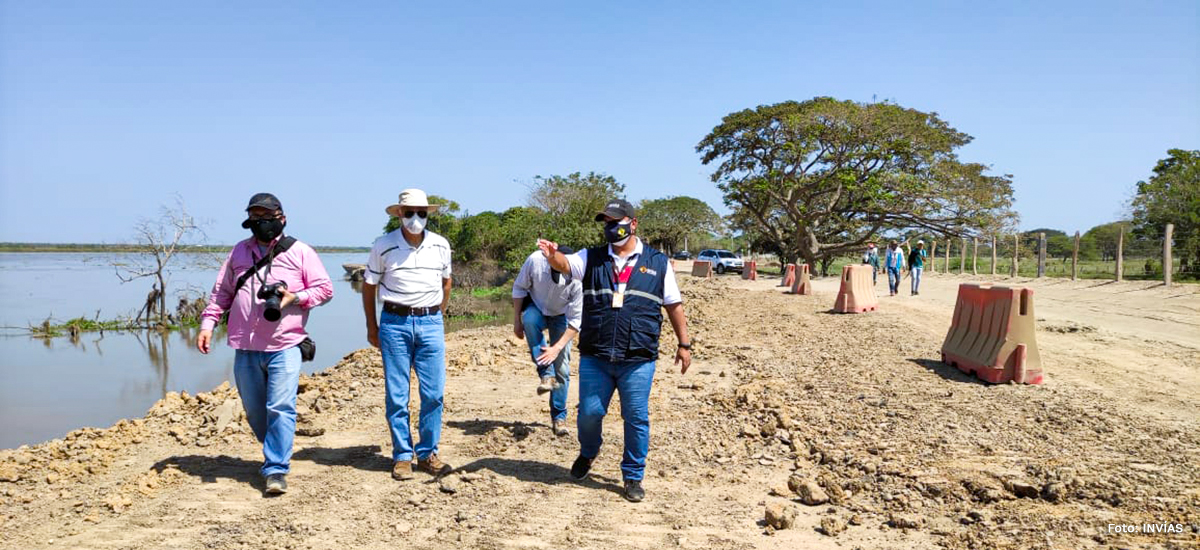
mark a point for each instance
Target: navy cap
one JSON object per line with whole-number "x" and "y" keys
{"x": 264, "y": 200}
{"x": 616, "y": 208}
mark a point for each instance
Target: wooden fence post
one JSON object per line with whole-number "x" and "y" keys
{"x": 975, "y": 256}
{"x": 1075, "y": 259}
{"x": 993, "y": 255}
{"x": 1168, "y": 263}
{"x": 1041, "y": 257}
{"x": 933, "y": 256}
{"x": 946, "y": 268}
{"x": 962, "y": 262}
{"x": 1016, "y": 254}
{"x": 1120, "y": 253}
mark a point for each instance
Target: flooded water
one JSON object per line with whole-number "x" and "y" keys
{"x": 50, "y": 387}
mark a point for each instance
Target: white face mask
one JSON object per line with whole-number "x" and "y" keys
{"x": 414, "y": 224}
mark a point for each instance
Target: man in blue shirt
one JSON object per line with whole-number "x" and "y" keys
{"x": 894, "y": 263}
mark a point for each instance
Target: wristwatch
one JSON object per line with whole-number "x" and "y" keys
{"x": 687, "y": 346}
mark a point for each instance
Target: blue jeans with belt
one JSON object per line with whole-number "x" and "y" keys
{"x": 267, "y": 383}
{"x": 408, "y": 343}
{"x": 597, "y": 381}
{"x": 536, "y": 324}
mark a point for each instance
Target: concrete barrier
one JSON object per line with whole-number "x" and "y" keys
{"x": 702, "y": 268}
{"x": 750, "y": 271}
{"x": 992, "y": 334}
{"x": 789, "y": 275}
{"x": 857, "y": 294}
{"x": 802, "y": 285}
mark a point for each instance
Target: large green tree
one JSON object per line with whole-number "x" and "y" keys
{"x": 1171, "y": 195}
{"x": 819, "y": 178}
{"x": 1104, "y": 238}
{"x": 665, "y": 223}
{"x": 571, "y": 202}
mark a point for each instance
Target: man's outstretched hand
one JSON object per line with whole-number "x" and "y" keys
{"x": 548, "y": 248}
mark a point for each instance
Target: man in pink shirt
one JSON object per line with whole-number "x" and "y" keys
{"x": 267, "y": 284}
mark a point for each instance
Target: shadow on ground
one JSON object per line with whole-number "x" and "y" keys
{"x": 518, "y": 430}
{"x": 948, "y": 372}
{"x": 209, "y": 468}
{"x": 542, "y": 472}
{"x": 363, "y": 457}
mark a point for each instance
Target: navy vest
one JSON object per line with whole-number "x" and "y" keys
{"x": 629, "y": 333}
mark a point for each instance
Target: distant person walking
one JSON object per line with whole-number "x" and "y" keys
{"x": 871, "y": 258}
{"x": 894, "y": 264}
{"x": 268, "y": 284}
{"x": 410, "y": 270}
{"x": 626, "y": 285}
{"x": 916, "y": 265}
{"x": 545, "y": 300}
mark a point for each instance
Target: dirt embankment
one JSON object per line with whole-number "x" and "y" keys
{"x": 795, "y": 428}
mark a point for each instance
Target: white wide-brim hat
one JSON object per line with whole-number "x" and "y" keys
{"x": 411, "y": 198}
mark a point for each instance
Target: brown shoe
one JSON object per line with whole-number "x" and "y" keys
{"x": 559, "y": 428}
{"x": 402, "y": 470}
{"x": 433, "y": 465}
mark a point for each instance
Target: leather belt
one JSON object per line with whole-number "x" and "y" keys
{"x": 397, "y": 309}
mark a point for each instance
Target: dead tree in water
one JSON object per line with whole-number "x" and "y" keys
{"x": 152, "y": 299}
{"x": 158, "y": 240}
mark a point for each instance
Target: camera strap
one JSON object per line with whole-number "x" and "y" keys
{"x": 280, "y": 247}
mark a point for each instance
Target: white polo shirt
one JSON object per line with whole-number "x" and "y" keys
{"x": 671, "y": 294}
{"x": 552, "y": 298}
{"x": 409, "y": 275}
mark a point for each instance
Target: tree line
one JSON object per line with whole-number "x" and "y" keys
{"x": 489, "y": 246}
{"x": 815, "y": 180}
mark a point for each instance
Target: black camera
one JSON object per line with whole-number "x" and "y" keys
{"x": 271, "y": 295}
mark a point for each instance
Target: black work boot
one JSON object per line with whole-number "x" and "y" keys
{"x": 634, "y": 491}
{"x": 581, "y": 467}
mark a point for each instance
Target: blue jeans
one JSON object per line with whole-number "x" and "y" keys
{"x": 536, "y": 324}
{"x": 267, "y": 382}
{"x": 893, "y": 280}
{"x": 597, "y": 380}
{"x": 916, "y": 278}
{"x": 413, "y": 343}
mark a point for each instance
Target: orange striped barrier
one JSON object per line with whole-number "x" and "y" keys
{"x": 702, "y": 268}
{"x": 789, "y": 275}
{"x": 750, "y": 271}
{"x": 802, "y": 285}
{"x": 857, "y": 294}
{"x": 992, "y": 334}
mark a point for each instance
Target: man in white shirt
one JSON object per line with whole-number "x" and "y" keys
{"x": 545, "y": 300}
{"x": 626, "y": 286}
{"x": 410, "y": 269}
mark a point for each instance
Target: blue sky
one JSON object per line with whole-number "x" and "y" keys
{"x": 110, "y": 109}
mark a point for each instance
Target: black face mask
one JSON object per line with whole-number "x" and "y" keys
{"x": 265, "y": 230}
{"x": 615, "y": 231}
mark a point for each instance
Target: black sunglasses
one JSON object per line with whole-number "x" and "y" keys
{"x": 421, "y": 213}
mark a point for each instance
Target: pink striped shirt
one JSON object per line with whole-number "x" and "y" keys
{"x": 299, "y": 267}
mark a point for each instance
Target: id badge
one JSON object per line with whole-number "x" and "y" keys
{"x": 618, "y": 300}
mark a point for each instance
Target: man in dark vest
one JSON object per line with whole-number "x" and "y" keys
{"x": 626, "y": 285}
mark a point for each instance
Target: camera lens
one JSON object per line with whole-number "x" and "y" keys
{"x": 271, "y": 296}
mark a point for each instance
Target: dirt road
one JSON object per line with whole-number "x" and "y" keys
{"x": 785, "y": 403}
